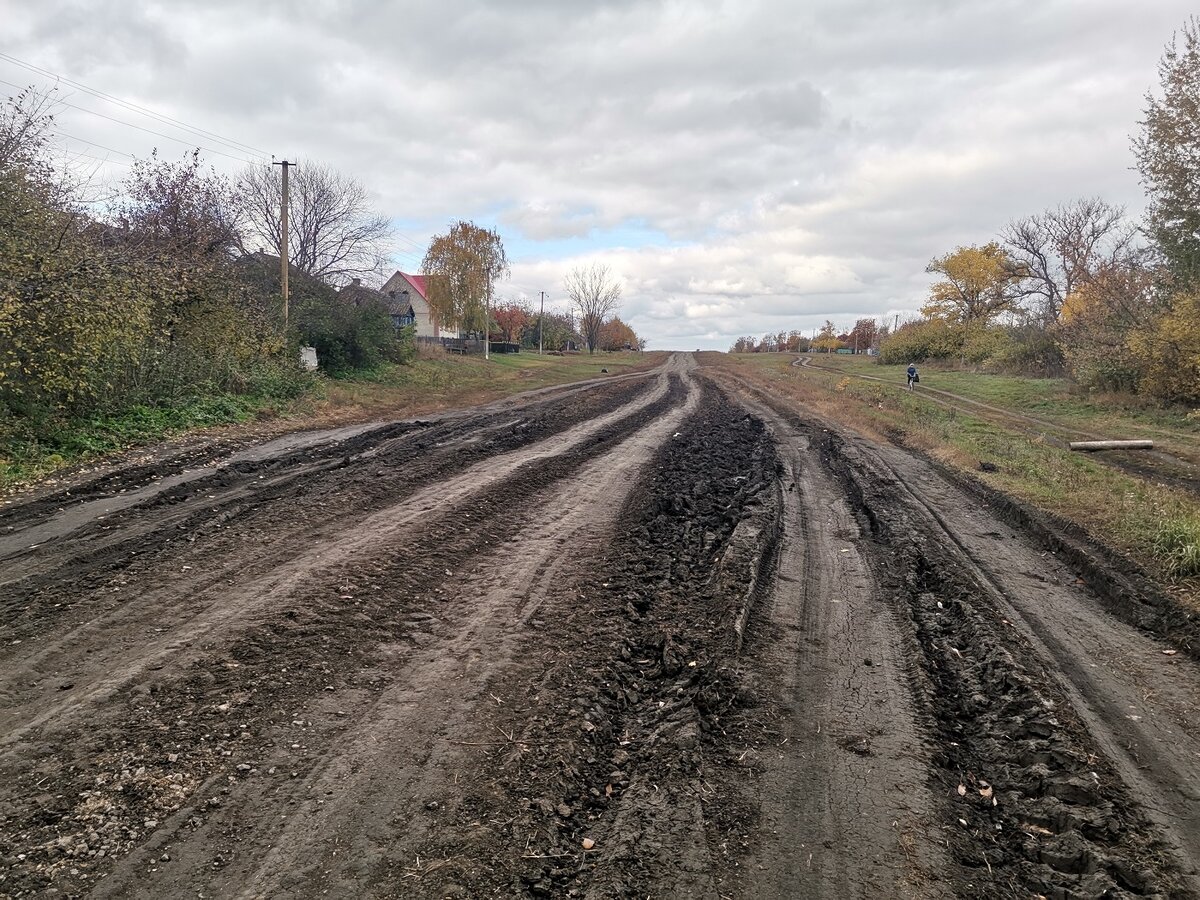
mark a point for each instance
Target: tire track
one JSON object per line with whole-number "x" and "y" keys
{"x": 324, "y": 629}
{"x": 179, "y": 626}
{"x": 839, "y": 779}
{"x": 1048, "y": 800}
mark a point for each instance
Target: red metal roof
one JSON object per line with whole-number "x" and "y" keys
{"x": 417, "y": 281}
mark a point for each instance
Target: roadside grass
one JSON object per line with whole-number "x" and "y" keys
{"x": 31, "y": 451}
{"x": 1157, "y": 526}
{"x": 1056, "y": 400}
{"x": 444, "y": 381}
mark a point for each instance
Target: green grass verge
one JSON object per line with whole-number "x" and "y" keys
{"x": 28, "y": 452}
{"x": 1056, "y": 400}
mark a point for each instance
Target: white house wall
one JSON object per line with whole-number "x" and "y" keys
{"x": 425, "y": 325}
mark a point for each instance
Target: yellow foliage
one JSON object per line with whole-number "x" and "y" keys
{"x": 977, "y": 284}
{"x": 1168, "y": 351}
{"x": 1076, "y": 305}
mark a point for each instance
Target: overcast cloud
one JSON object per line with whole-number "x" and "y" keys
{"x": 742, "y": 166}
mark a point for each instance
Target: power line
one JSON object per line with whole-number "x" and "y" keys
{"x": 407, "y": 240}
{"x": 132, "y": 125}
{"x": 161, "y": 117}
{"x": 93, "y": 143}
{"x": 111, "y": 162}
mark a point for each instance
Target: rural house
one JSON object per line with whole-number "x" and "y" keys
{"x": 409, "y": 292}
{"x": 356, "y": 294}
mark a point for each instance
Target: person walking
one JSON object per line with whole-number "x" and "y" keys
{"x": 913, "y": 377}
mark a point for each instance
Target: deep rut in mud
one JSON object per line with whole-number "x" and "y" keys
{"x": 656, "y": 637}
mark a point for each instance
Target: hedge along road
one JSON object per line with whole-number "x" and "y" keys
{"x": 655, "y": 637}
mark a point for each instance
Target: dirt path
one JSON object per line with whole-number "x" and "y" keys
{"x": 652, "y": 637}
{"x": 843, "y": 773}
{"x": 1080, "y": 727}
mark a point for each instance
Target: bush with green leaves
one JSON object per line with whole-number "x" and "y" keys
{"x": 922, "y": 340}
{"x": 1027, "y": 350}
{"x": 348, "y": 336}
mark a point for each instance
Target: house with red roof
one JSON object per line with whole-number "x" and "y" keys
{"x": 408, "y": 294}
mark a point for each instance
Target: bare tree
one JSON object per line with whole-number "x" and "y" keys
{"x": 597, "y": 295}
{"x": 1062, "y": 249}
{"x": 333, "y": 235}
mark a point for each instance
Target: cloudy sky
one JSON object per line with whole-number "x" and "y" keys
{"x": 742, "y": 166}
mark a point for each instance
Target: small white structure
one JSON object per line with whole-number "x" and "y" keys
{"x": 308, "y": 358}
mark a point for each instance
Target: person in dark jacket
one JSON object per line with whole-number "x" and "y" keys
{"x": 913, "y": 377}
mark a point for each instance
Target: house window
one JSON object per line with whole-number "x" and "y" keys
{"x": 404, "y": 321}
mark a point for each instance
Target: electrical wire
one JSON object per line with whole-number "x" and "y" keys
{"x": 112, "y": 162}
{"x": 93, "y": 143}
{"x": 138, "y": 127}
{"x": 133, "y": 107}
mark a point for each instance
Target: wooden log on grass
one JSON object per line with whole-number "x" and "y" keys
{"x": 1112, "y": 445}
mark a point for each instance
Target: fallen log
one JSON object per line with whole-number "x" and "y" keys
{"x": 1112, "y": 445}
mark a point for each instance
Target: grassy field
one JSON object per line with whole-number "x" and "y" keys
{"x": 1054, "y": 400}
{"x": 428, "y": 384}
{"x": 1156, "y": 525}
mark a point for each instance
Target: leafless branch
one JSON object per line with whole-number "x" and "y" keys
{"x": 597, "y": 295}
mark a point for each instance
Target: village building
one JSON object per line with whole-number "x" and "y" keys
{"x": 409, "y": 295}
{"x": 357, "y": 294}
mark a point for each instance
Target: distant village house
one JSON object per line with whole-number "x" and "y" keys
{"x": 407, "y": 295}
{"x": 404, "y": 297}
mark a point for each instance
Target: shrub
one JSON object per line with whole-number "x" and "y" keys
{"x": 1029, "y": 350}
{"x": 1167, "y": 351}
{"x": 349, "y": 337}
{"x": 919, "y": 341}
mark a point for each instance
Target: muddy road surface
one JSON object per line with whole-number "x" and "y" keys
{"x": 660, "y": 636}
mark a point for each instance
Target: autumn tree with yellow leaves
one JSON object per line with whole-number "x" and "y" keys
{"x": 978, "y": 283}
{"x": 463, "y": 266}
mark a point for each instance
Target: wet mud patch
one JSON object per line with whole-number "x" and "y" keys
{"x": 609, "y": 782}
{"x": 1030, "y": 805}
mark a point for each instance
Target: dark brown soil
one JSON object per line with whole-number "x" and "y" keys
{"x": 657, "y": 637}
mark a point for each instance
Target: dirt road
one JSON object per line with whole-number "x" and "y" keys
{"x": 660, "y": 636}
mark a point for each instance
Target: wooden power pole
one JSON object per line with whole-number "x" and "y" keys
{"x": 541, "y": 316}
{"x": 283, "y": 241}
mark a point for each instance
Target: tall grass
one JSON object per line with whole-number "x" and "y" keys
{"x": 1176, "y": 542}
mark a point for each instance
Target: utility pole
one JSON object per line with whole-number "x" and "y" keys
{"x": 487, "y": 321}
{"x": 283, "y": 240}
{"x": 541, "y": 315}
